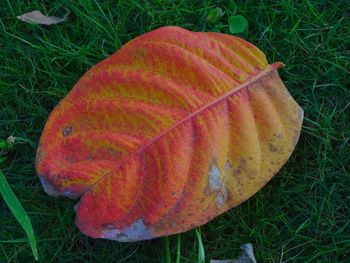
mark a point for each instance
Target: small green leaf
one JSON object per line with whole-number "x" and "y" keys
{"x": 3, "y": 145}
{"x": 214, "y": 15}
{"x": 7, "y": 145}
{"x": 18, "y": 211}
{"x": 238, "y": 24}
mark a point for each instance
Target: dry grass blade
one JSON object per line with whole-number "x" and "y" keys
{"x": 246, "y": 257}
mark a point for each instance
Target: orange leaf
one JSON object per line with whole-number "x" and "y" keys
{"x": 167, "y": 133}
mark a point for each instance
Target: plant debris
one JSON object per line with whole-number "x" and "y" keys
{"x": 36, "y": 17}
{"x": 246, "y": 257}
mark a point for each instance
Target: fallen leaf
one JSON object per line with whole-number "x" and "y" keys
{"x": 36, "y": 17}
{"x": 246, "y": 257}
{"x": 167, "y": 133}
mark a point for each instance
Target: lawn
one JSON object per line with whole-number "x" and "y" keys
{"x": 301, "y": 215}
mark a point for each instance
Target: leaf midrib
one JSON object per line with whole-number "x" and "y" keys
{"x": 271, "y": 68}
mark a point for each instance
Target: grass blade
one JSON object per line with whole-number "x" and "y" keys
{"x": 18, "y": 211}
{"x": 178, "y": 249}
{"x": 201, "y": 253}
{"x": 167, "y": 249}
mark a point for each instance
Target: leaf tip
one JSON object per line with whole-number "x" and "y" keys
{"x": 277, "y": 65}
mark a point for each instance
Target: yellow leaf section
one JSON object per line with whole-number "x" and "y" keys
{"x": 258, "y": 135}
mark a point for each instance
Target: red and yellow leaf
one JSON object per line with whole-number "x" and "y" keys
{"x": 167, "y": 133}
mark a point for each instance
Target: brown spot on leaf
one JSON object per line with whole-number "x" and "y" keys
{"x": 272, "y": 148}
{"x": 278, "y": 135}
{"x": 67, "y": 130}
{"x": 113, "y": 151}
{"x": 70, "y": 159}
{"x": 227, "y": 165}
{"x": 140, "y": 53}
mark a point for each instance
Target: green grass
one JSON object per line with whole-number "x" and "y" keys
{"x": 18, "y": 212}
{"x": 302, "y": 215}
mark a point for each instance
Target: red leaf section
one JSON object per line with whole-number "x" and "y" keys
{"x": 167, "y": 133}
